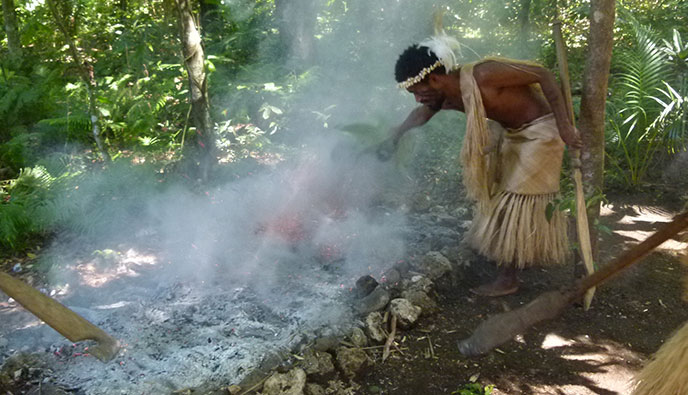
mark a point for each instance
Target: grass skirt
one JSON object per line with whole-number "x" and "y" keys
{"x": 512, "y": 227}
{"x": 515, "y": 231}
{"x": 667, "y": 373}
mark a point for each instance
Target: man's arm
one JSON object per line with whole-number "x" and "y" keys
{"x": 503, "y": 74}
{"x": 419, "y": 116}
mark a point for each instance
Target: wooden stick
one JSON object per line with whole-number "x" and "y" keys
{"x": 390, "y": 339}
{"x": 505, "y": 326}
{"x": 581, "y": 207}
{"x": 68, "y": 323}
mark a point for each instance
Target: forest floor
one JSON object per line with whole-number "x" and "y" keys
{"x": 593, "y": 352}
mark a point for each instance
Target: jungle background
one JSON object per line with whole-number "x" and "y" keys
{"x": 107, "y": 104}
{"x": 104, "y": 88}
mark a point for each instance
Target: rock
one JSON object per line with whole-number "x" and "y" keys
{"x": 351, "y": 360}
{"x": 358, "y": 337}
{"x": 314, "y": 389}
{"x": 364, "y": 286}
{"x": 419, "y": 283}
{"x": 373, "y": 326}
{"x": 402, "y": 267}
{"x": 391, "y": 277}
{"x": 462, "y": 212}
{"x": 407, "y": 313}
{"x": 233, "y": 389}
{"x": 421, "y": 299}
{"x": 318, "y": 363}
{"x": 377, "y": 300}
{"x": 290, "y": 383}
{"x": 435, "y": 265}
{"x": 326, "y": 343}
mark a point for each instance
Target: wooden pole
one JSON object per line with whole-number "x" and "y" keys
{"x": 581, "y": 208}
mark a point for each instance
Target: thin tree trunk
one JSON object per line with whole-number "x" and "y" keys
{"x": 87, "y": 76}
{"x": 194, "y": 60}
{"x": 594, "y": 97}
{"x": 12, "y": 30}
{"x": 296, "y": 20}
{"x": 524, "y": 20}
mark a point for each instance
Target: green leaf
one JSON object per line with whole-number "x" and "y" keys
{"x": 549, "y": 211}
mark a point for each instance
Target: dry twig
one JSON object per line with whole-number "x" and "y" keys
{"x": 390, "y": 339}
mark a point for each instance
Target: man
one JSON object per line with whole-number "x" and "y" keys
{"x": 512, "y": 174}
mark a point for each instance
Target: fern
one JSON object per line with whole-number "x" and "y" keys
{"x": 637, "y": 129}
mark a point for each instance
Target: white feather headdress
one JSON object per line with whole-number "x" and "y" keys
{"x": 445, "y": 48}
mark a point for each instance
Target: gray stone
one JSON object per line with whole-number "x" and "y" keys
{"x": 364, "y": 286}
{"x": 422, "y": 300}
{"x": 391, "y": 277}
{"x": 462, "y": 212}
{"x": 326, "y": 343}
{"x": 402, "y": 267}
{"x": 318, "y": 363}
{"x": 373, "y": 327}
{"x": 290, "y": 383}
{"x": 407, "y": 313}
{"x": 314, "y": 389}
{"x": 377, "y": 300}
{"x": 435, "y": 265}
{"x": 358, "y": 337}
{"x": 351, "y": 360}
{"x": 419, "y": 283}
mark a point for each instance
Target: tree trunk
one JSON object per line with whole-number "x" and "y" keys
{"x": 524, "y": 20}
{"x": 85, "y": 72}
{"x": 12, "y": 30}
{"x": 194, "y": 60}
{"x": 296, "y": 20}
{"x": 594, "y": 97}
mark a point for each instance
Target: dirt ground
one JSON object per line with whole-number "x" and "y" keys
{"x": 593, "y": 352}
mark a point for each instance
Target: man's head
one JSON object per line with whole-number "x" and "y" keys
{"x": 420, "y": 67}
{"x": 416, "y": 70}
{"x": 416, "y": 61}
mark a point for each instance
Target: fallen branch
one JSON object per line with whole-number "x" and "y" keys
{"x": 390, "y": 339}
{"x": 503, "y": 327}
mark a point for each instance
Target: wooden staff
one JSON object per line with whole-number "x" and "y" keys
{"x": 581, "y": 208}
{"x": 68, "y": 323}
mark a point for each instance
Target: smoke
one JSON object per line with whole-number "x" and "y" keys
{"x": 317, "y": 207}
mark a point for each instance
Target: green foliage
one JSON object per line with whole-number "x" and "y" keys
{"x": 474, "y": 389}
{"x": 646, "y": 113}
{"x": 88, "y": 204}
{"x": 21, "y": 207}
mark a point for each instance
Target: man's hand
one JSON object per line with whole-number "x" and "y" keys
{"x": 571, "y": 137}
{"x": 386, "y": 149}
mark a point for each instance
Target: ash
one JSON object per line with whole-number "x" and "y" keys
{"x": 210, "y": 288}
{"x": 212, "y": 330}
{"x": 187, "y": 333}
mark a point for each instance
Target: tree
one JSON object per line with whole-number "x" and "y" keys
{"x": 296, "y": 20}
{"x": 592, "y": 112}
{"x": 194, "y": 61}
{"x": 61, "y": 17}
{"x": 11, "y": 29}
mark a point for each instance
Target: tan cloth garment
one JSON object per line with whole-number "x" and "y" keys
{"x": 513, "y": 185}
